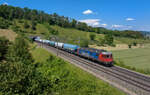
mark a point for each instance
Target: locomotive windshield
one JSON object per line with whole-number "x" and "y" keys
{"x": 107, "y": 55}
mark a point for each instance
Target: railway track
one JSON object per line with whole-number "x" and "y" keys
{"x": 137, "y": 80}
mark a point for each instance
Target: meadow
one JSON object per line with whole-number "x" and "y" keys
{"x": 138, "y": 58}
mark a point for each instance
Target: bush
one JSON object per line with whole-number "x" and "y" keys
{"x": 26, "y": 25}
{"x": 4, "y": 24}
{"x": 101, "y": 42}
{"x": 134, "y": 44}
{"x": 21, "y": 21}
{"x": 15, "y": 28}
{"x": 92, "y": 36}
{"x": 109, "y": 39}
{"x": 19, "y": 51}
{"x": 19, "y": 78}
{"x": 130, "y": 46}
{"x": 84, "y": 43}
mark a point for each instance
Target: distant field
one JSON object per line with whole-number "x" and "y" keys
{"x": 123, "y": 40}
{"x": 76, "y": 81}
{"x": 8, "y": 34}
{"x": 139, "y": 57}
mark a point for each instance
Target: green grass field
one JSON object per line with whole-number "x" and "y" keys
{"x": 73, "y": 80}
{"x": 138, "y": 58}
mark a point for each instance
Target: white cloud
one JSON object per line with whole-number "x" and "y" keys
{"x": 117, "y": 26}
{"x": 130, "y": 19}
{"x": 103, "y": 25}
{"x": 91, "y": 22}
{"x": 86, "y": 12}
{"x": 121, "y": 27}
{"x": 5, "y": 3}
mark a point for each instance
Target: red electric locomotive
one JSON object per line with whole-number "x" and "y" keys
{"x": 106, "y": 58}
{"x": 98, "y": 55}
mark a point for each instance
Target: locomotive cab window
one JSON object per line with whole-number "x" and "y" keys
{"x": 106, "y": 56}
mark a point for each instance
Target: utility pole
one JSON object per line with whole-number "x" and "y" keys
{"x": 79, "y": 41}
{"x": 57, "y": 46}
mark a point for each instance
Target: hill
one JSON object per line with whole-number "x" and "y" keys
{"x": 69, "y": 35}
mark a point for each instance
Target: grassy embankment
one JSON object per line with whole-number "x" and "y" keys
{"x": 71, "y": 80}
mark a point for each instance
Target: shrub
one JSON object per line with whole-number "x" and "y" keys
{"x": 84, "y": 43}
{"x": 4, "y": 24}
{"x": 130, "y": 46}
{"x": 92, "y": 36}
{"x": 134, "y": 44}
{"x": 26, "y": 25}
{"x": 109, "y": 39}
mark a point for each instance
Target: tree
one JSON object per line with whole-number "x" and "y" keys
{"x": 73, "y": 23}
{"x": 109, "y": 39}
{"x": 101, "y": 42}
{"x": 130, "y": 46}
{"x": 26, "y": 25}
{"x": 54, "y": 32}
{"x": 33, "y": 25}
{"x": 4, "y": 24}
{"x": 134, "y": 43}
{"x": 92, "y": 36}
{"x": 19, "y": 51}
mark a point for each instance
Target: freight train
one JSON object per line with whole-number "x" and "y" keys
{"x": 98, "y": 55}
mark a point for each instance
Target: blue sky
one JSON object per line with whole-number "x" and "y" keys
{"x": 112, "y": 14}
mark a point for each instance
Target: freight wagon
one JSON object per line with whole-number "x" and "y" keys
{"x": 52, "y": 43}
{"x": 70, "y": 48}
{"x": 59, "y": 45}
